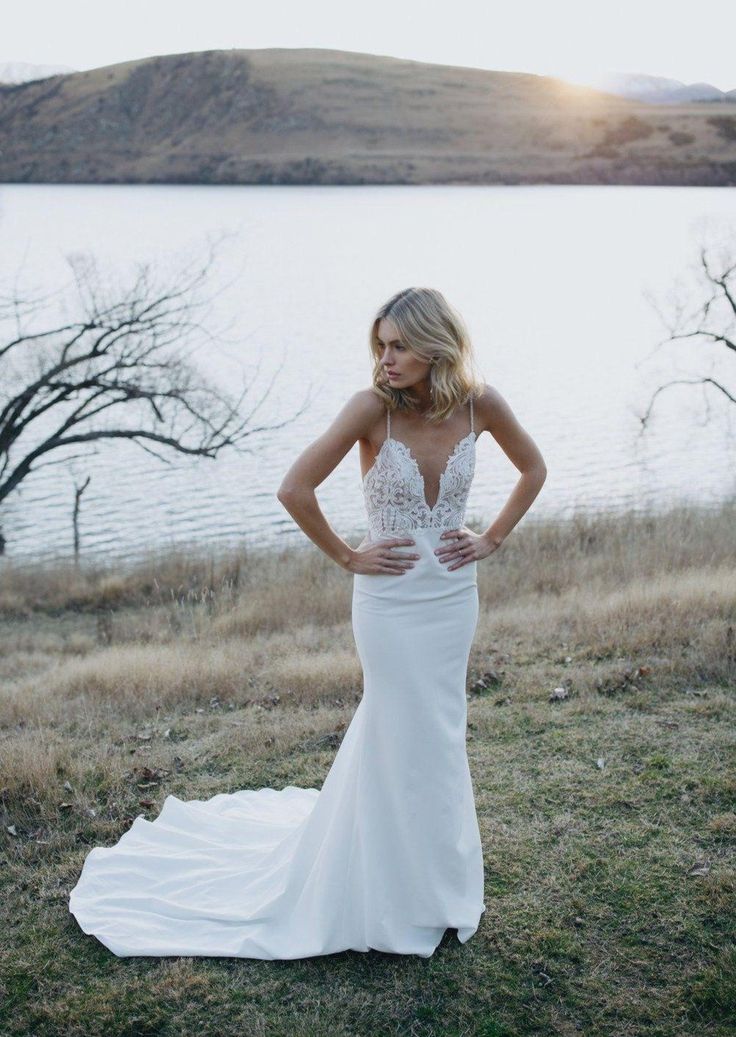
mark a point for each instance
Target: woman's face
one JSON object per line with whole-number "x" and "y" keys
{"x": 401, "y": 367}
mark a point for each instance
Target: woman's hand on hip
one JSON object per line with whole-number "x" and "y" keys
{"x": 382, "y": 558}
{"x": 463, "y": 546}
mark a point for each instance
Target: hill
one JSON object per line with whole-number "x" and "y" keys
{"x": 284, "y": 116}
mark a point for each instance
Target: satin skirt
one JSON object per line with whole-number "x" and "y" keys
{"x": 385, "y": 856}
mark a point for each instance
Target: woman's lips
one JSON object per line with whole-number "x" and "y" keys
{"x": 393, "y": 374}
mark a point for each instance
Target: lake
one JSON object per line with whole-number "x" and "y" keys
{"x": 557, "y": 285}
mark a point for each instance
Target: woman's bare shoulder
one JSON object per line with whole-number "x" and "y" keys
{"x": 490, "y": 408}
{"x": 367, "y": 405}
{"x": 360, "y": 414}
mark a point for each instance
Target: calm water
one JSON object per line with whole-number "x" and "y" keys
{"x": 554, "y": 282}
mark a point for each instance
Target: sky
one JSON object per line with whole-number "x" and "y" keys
{"x": 579, "y": 40}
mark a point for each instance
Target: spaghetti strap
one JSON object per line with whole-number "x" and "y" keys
{"x": 472, "y": 429}
{"x": 388, "y": 423}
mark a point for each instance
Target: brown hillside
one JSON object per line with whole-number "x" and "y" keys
{"x": 330, "y": 117}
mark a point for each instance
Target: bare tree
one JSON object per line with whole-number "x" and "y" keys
{"x": 78, "y": 491}
{"x": 118, "y": 370}
{"x": 710, "y": 323}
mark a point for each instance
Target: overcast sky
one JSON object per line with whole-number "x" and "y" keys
{"x": 574, "y": 39}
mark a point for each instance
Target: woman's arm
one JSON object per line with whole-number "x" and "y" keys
{"x": 497, "y": 418}
{"x": 317, "y": 461}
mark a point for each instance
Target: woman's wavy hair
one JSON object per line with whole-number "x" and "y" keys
{"x": 436, "y": 333}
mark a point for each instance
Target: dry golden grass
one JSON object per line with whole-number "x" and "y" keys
{"x": 608, "y": 818}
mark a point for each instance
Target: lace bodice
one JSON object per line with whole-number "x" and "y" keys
{"x": 394, "y": 488}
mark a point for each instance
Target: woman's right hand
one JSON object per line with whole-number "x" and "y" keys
{"x": 382, "y": 558}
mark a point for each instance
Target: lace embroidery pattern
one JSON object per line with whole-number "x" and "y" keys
{"x": 394, "y": 489}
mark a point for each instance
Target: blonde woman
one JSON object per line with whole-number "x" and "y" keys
{"x": 387, "y": 854}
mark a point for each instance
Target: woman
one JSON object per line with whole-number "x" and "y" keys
{"x": 387, "y": 854}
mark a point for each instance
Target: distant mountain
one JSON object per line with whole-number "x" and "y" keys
{"x": 282, "y": 116}
{"x": 24, "y": 72}
{"x": 656, "y": 90}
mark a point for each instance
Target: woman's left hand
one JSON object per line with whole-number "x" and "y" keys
{"x": 464, "y": 546}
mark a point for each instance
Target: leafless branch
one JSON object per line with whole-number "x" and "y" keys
{"x": 710, "y": 322}
{"x": 644, "y": 418}
{"x": 124, "y": 353}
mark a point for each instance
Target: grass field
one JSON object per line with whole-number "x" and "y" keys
{"x": 607, "y": 810}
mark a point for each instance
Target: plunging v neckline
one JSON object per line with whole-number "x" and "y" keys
{"x": 431, "y": 508}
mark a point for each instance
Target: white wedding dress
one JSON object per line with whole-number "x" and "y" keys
{"x": 387, "y": 854}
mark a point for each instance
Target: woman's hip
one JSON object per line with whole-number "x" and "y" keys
{"x": 429, "y": 580}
